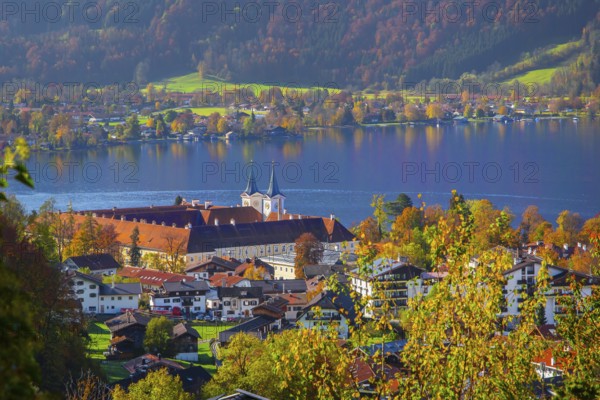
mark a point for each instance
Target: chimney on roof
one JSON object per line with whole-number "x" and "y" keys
{"x": 94, "y": 215}
{"x": 232, "y": 221}
{"x": 153, "y": 222}
{"x": 135, "y": 220}
{"x": 143, "y": 220}
{"x": 163, "y": 223}
{"x": 103, "y": 216}
{"x": 207, "y": 204}
{"x": 174, "y": 225}
{"x": 216, "y": 221}
{"x": 114, "y": 209}
{"x": 123, "y": 218}
{"x": 291, "y": 216}
{"x": 332, "y": 217}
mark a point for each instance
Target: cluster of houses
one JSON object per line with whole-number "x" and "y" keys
{"x": 239, "y": 267}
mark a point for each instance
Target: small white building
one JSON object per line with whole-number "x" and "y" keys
{"x": 98, "y": 297}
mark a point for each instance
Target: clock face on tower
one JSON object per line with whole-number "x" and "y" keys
{"x": 246, "y": 203}
{"x": 255, "y": 204}
{"x": 267, "y": 206}
{"x": 275, "y": 206}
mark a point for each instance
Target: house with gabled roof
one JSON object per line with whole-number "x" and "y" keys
{"x": 101, "y": 264}
{"x": 521, "y": 280}
{"x": 98, "y": 297}
{"x": 389, "y": 281}
{"x": 329, "y": 308}
{"x": 188, "y": 295}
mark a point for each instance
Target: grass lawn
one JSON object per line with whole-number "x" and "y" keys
{"x": 100, "y": 339}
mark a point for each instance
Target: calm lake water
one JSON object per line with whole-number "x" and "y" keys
{"x": 554, "y": 164}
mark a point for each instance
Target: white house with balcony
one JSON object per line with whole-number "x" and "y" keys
{"x": 187, "y": 295}
{"x": 388, "y": 280}
{"x": 102, "y": 298}
{"x": 522, "y": 278}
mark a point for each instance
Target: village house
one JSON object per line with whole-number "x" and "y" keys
{"x": 150, "y": 279}
{"x": 329, "y": 308}
{"x": 238, "y": 302}
{"x": 184, "y": 342}
{"x": 391, "y": 281}
{"x": 98, "y": 297}
{"x": 208, "y": 268}
{"x": 228, "y": 279}
{"x": 187, "y": 295}
{"x": 101, "y": 264}
{"x": 522, "y": 278}
{"x": 266, "y": 318}
{"x": 128, "y": 331}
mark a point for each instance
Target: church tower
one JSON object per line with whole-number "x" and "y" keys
{"x": 274, "y": 200}
{"x": 252, "y": 197}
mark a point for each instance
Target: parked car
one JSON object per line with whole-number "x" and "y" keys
{"x": 225, "y": 318}
{"x": 208, "y": 318}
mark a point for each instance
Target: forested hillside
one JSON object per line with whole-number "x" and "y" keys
{"x": 359, "y": 43}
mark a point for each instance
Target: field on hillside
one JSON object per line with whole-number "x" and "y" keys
{"x": 537, "y": 76}
{"x": 192, "y": 83}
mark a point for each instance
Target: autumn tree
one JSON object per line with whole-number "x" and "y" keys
{"x": 174, "y": 252}
{"x": 580, "y": 349}
{"x": 530, "y": 220}
{"x": 434, "y": 111}
{"x": 241, "y": 368}
{"x": 309, "y": 250}
{"x": 453, "y": 349}
{"x": 156, "y": 385}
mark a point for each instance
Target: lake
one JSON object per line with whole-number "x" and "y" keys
{"x": 554, "y": 164}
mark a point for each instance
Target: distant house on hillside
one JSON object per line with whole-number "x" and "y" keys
{"x": 97, "y": 263}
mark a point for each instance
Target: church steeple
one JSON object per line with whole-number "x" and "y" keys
{"x": 251, "y": 187}
{"x": 273, "y": 186}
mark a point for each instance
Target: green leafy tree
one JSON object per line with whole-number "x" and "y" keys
{"x": 158, "y": 335}
{"x": 132, "y": 128}
{"x": 395, "y": 208}
{"x": 178, "y": 200}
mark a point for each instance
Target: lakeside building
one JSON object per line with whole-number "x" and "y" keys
{"x": 193, "y": 232}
